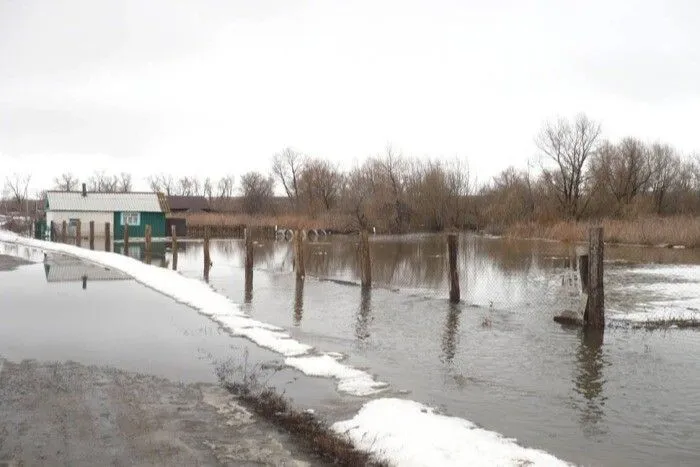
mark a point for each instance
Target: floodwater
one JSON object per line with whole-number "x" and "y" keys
{"x": 628, "y": 397}
{"x": 68, "y": 310}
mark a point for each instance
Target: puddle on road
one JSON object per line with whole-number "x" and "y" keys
{"x": 68, "y": 310}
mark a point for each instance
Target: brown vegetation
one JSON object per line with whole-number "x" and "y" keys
{"x": 245, "y": 381}
{"x": 666, "y": 231}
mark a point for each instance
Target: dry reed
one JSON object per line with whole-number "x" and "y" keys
{"x": 666, "y": 231}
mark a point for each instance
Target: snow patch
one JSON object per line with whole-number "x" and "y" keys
{"x": 200, "y": 296}
{"x": 350, "y": 380}
{"x": 408, "y": 433}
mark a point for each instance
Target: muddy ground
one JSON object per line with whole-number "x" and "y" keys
{"x": 71, "y": 414}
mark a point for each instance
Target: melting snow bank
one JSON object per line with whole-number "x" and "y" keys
{"x": 407, "y": 433}
{"x": 200, "y": 296}
{"x": 674, "y": 298}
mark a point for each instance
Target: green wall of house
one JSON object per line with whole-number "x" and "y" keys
{"x": 155, "y": 219}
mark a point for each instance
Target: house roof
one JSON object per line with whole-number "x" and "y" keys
{"x": 188, "y": 203}
{"x": 105, "y": 202}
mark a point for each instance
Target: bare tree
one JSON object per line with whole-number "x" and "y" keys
{"x": 320, "y": 184}
{"x": 100, "y": 182}
{"x": 208, "y": 189}
{"x": 624, "y": 169}
{"x": 17, "y": 187}
{"x": 665, "y": 168}
{"x": 66, "y": 182}
{"x": 258, "y": 192}
{"x": 162, "y": 183}
{"x": 569, "y": 145}
{"x": 288, "y": 166}
{"x": 124, "y": 184}
{"x": 226, "y": 186}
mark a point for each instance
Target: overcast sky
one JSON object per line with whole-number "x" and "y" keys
{"x": 208, "y": 87}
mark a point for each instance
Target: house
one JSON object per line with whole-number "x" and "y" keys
{"x": 137, "y": 209}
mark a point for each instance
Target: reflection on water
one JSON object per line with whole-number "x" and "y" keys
{"x": 449, "y": 337}
{"x": 298, "y": 301}
{"x": 362, "y": 324}
{"x": 589, "y": 381}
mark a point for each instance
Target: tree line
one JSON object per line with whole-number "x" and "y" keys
{"x": 578, "y": 174}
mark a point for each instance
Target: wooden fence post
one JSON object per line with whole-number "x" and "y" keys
{"x": 207, "y": 259}
{"x": 78, "y": 239}
{"x": 126, "y": 238}
{"x": 64, "y": 232}
{"x": 92, "y": 235}
{"x": 299, "y": 254}
{"x": 595, "y": 309}
{"x": 454, "y": 274}
{"x": 583, "y": 272}
{"x": 52, "y": 235}
{"x": 108, "y": 232}
{"x": 365, "y": 260}
{"x": 249, "y": 252}
{"x": 147, "y": 246}
{"x": 173, "y": 234}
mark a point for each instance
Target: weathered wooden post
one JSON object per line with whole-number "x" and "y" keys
{"x": 52, "y": 235}
{"x": 595, "y": 309}
{"x": 147, "y": 246}
{"x": 173, "y": 234}
{"x": 108, "y": 240}
{"x": 299, "y": 254}
{"x": 92, "y": 235}
{"x": 78, "y": 239}
{"x": 64, "y": 232}
{"x": 207, "y": 259}
{"x": 126, "y": 238}
{"x": 248, "y": 240}
{"x": 365, "y": 260}
{"x": 84, "y": 282}
{"x": 583, "y": 271}
{"x": 454, "y": 274}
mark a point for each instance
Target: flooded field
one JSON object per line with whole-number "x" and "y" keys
{"x": 626, "y": 398}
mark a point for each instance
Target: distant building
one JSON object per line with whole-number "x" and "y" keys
{"x": 187, "y": 204}
{"x": 136, "y": 209}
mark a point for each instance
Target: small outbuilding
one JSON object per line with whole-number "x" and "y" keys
{"x": 137, "y": 209}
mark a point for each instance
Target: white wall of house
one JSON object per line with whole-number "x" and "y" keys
{"x": 85, "y": 217}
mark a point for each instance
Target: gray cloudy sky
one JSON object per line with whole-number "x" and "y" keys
{"x": 214, "y": 86}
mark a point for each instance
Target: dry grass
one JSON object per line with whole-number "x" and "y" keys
{"x": 676, "y": 230}
{"x": 249, "y": 382}
{"x": 330, "y": 221}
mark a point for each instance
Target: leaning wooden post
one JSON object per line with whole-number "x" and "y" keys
{"x": 173, "y": 234}
{"x": 248, "y": 239}
{"x": 108, "y": 240}
{"x": 148, "y": 244}
{"x": 64, "y": 232}
{"x": 78, "y": 239}
{"x": 92, "y": 235}
{"x": 365, "y": 260}
{"x": 207, "y": 260}
{"x": 299, "y": 254}
{"x": 126, "y": 238}
{"x": 454, "y": 274}
{"x": 596, "y": 295}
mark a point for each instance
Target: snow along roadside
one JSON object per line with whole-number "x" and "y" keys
{"x": 201, "y": 297}
{"x": 404, "y": 432}
{"x": 408, "y": 433}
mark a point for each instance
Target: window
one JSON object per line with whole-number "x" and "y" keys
{"x": 131, "y": 218}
